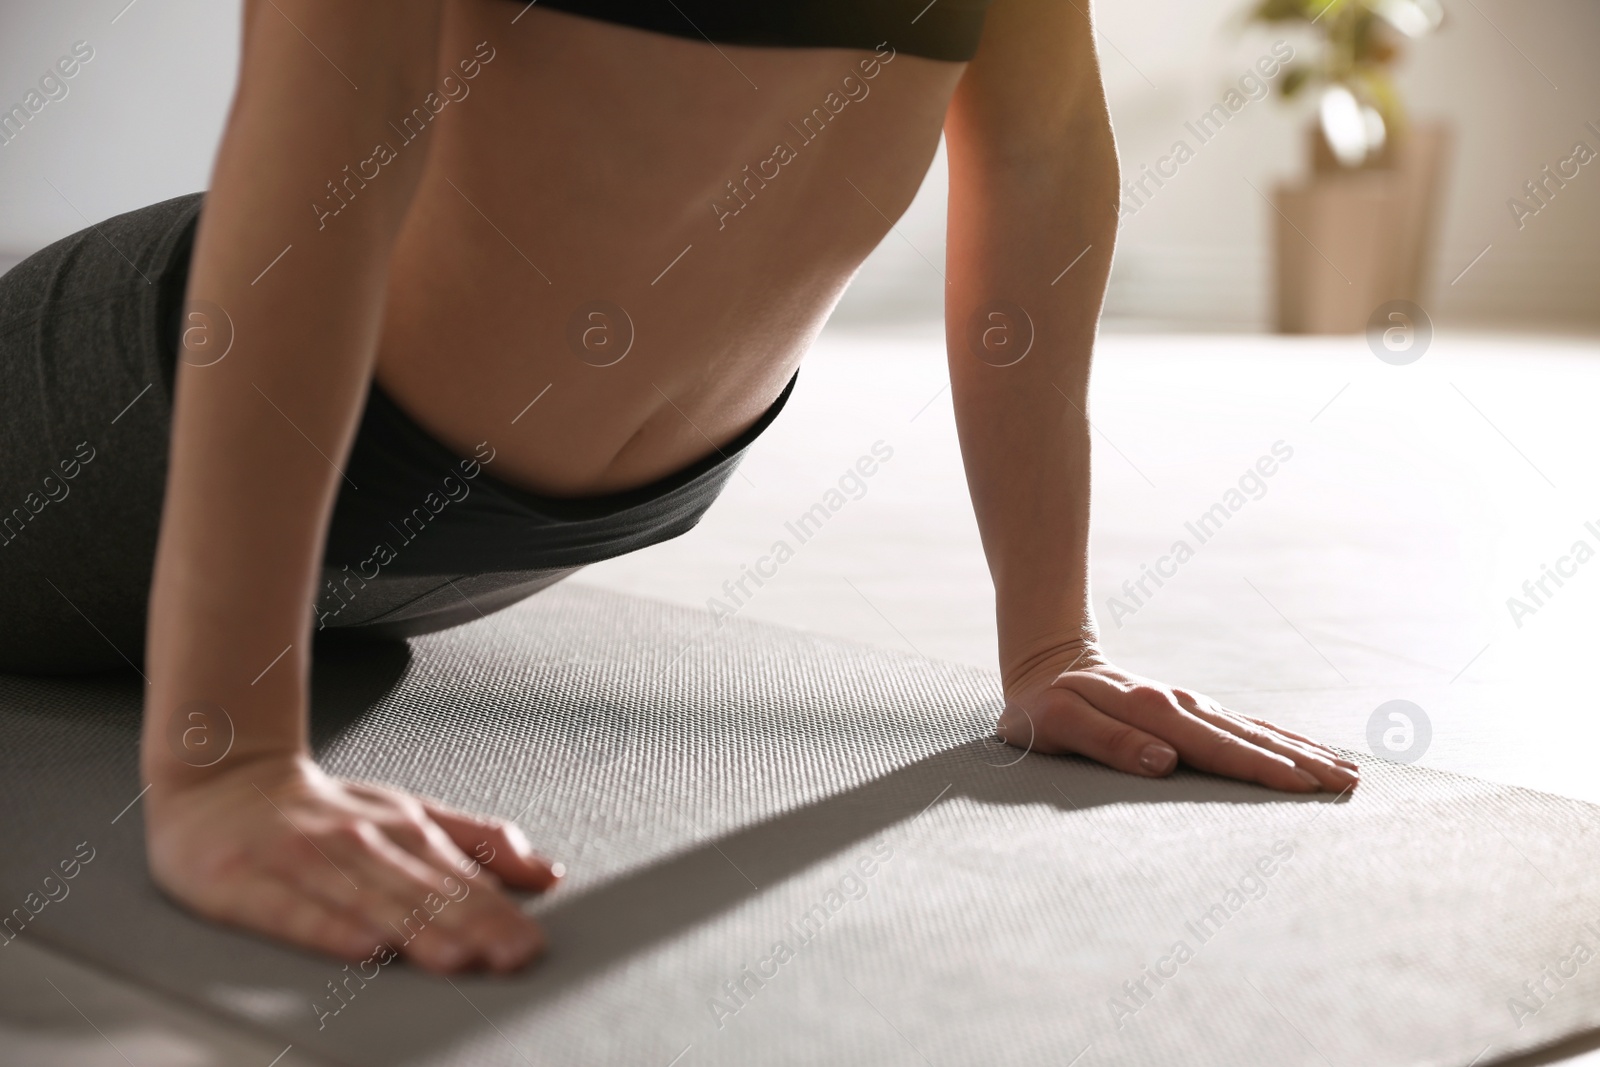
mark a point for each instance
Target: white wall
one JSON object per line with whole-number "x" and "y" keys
{"x": 141, "y": 120}
{"x": 1197, "y": 253}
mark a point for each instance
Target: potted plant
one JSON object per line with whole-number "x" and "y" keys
{"x": 1354, "y": 235}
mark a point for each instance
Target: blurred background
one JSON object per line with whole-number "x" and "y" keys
{"x": 1442, "y": 462}
{"x": 1515, "y": 83}
{"x": 1294, "y": 168}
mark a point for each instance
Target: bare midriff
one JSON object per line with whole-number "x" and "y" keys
{"x": 575, "y": 243}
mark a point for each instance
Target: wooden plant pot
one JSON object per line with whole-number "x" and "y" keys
{"x": 1348, "y": 240}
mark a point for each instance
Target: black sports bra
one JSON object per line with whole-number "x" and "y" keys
{"x": 940, "y": 29}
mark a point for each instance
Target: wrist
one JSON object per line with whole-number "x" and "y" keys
{"x": 169, "y": 768}
{"x": 1049, "y": 623}
{"x": 207, "y": 711}
{"x": 201, "y": 723}
{"x": 227, "y": 686}
{"x": 1050, "y": 655}
{"x": 170, "y": 781}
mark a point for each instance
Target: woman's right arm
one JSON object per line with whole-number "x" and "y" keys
{"x": 258, "y": 836}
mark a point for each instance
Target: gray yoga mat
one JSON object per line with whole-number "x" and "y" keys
{"x": 789, "y": 849}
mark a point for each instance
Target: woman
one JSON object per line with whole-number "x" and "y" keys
{"x": 482, "y": 292}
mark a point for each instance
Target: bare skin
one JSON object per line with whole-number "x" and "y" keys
{"x": 583, "y": 166}
{"x": 473, "y": 331}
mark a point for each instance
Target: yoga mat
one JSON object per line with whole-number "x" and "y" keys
{"x": 786, "y": 849}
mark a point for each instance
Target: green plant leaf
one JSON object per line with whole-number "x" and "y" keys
{"x": 1294, "y": 79}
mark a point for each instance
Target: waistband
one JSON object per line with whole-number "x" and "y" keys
{"x": 418, "y": 508}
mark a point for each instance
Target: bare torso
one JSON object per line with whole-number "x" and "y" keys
{"x": 582, "y": 167}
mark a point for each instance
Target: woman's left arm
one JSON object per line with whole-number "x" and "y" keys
{"x": 1032, "y": 222}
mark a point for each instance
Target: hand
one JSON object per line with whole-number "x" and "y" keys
{"x": 276, "y": 846}
{"x": 1076, "y": 701}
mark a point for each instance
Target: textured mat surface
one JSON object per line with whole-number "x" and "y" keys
{"x": 786, "y": 849}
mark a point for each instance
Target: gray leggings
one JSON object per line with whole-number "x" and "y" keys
{"x": 85, "y": 418}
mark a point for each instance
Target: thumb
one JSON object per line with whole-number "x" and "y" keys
{"x": 1063, "y": 721}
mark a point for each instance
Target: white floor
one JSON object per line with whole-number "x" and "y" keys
{"x": 1375, "y": 566}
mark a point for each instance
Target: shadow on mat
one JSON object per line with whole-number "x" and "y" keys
{"x": 349, "y": 677}
{"x": 609, "y": 924}
{"x": 603, "y": 926}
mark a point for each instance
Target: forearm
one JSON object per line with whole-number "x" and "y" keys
{"x": 258, "y": 436}
{"x": 1015, "y": 228}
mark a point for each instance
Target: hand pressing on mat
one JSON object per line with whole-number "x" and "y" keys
{"x": 1090, "y": 707}
{"x": 358, "y": 871}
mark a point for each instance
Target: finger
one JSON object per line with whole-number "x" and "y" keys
{"x": 499, "y": 845}
{"x": 1192, "y": 699}
{"x": 1271, "y": 729}
{"x": 440, "y": 920}
{"x": 343, "y": 874}
{"x": 1331, "y": 776}
{"x": 488, "y": 922}
{"x": 1066, "y": 722}
{"x": 499, "y": 932}
{"x": 1285, "y": 741}
{"x": 1319, "y": 746}
{"x": 1199, "y": 744}
{"x": 269, "y": 906}
{"x": 493, "y": 843}
{"x": 506, "y": 937}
